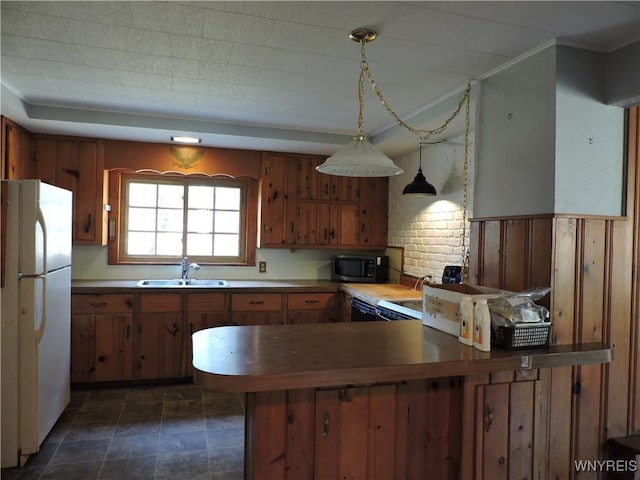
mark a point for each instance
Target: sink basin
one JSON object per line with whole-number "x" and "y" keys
{"x": 197, "y": 282}
{"x": 177, "y": 282}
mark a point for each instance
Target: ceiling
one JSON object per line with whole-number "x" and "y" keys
{"x": 271, "y": 75}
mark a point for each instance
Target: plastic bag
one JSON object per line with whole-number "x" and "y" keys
{"x": 507, "y": 310}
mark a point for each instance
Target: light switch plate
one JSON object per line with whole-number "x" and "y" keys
{"x": 262, "y": 267}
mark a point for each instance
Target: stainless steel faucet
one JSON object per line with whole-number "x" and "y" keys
{"x": 187, "y": 267}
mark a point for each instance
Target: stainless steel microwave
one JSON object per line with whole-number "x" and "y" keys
{"x": 361, "y": 268}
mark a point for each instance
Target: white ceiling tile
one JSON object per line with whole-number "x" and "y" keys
{"x": 169, "y": 17}
{"x": 16, "y": 22}
{"x": 54, "y": 51}
{"x": 137, "y": 40}
{"x": 196, "y": 48}
{"x": 11, "y": 45}
{"x": 106, "y": 12}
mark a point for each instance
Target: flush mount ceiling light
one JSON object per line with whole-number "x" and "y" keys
{"x": 360, "y": 158}
{"x": 189, "y": 140}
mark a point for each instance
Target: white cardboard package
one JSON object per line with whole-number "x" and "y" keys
{"x": 450, "y": 308}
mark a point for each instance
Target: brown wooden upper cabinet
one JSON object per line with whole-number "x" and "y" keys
{"x": 77, "y": 165}
{"x": 17, "y": 154}
{"x": 301, "y": 207}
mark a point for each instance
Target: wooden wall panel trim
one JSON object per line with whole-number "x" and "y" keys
{"x": 521, "y": 421}
{"x": 633, "y": 212}
{"x": 563, "y": 281}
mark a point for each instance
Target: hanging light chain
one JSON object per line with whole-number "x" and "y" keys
{"x": 422, "y": 133}
{"x": 465, "y": 198}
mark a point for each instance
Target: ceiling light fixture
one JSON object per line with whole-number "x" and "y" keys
{"x": 360, "y": 158}
{"x": 420, "y": 187}
{"x": 190, "y": 140}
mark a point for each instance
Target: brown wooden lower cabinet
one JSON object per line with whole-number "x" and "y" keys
{"x": 147, "y": 336}
{"x": 406, "y": 430}
{"x": 160, "y": 330}
{"x": 101, "y": 338}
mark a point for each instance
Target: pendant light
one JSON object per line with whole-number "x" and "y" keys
{"x": 360, "y": 158}
{"x": 420, "y": 187}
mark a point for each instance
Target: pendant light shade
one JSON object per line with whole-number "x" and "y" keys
{"x": 359, "y": 159}
{"x": 419, "y": 187}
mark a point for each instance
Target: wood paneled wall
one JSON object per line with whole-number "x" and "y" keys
{"x": 592, "y": 265}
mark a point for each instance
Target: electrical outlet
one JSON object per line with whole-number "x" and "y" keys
{"x": 262, "y": 267}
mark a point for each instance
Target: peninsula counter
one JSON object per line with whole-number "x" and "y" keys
{"x": 377, "y": 400}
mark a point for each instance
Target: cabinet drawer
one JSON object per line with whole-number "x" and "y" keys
{"x": 310, "y": 301}
{"x": 160, "y": 303}
{"x": 247, "y": 302}
{"x": 97, "y": 303}
{"x": 206, "y": 302}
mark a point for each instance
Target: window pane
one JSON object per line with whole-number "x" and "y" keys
{"x": 226, "y": 245}
{"x": 200, "y": 197}
{"x": 169, "y": 220}
{"x": 170, "y": 196}
{"x": 142, "y": 219}
{"x": 200, "y": 221}
{"x": 169, "y": 244}
{"x": 227, "y": 222}
{"x": 142, "y": 194}
{"x": 141, "y": 243}
{"x": 227, "y": 198}
{"x": 198, "y": 244}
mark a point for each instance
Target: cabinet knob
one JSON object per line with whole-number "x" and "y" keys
{"x": 97, "y": 304}
{"x": 101, "y": 358}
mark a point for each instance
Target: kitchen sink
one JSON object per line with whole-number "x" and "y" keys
{"x": 177, "y": 282}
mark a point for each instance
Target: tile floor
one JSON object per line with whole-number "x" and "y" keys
{"x": 177, "y": 432}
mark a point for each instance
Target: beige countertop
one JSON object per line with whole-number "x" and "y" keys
{"x": 374, "y": 292}
{"x": 368, "y": 292}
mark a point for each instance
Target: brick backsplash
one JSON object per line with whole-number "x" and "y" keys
{"x": 430, "y": 229}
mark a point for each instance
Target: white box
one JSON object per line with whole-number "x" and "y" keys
{"x": 441, "y": 307}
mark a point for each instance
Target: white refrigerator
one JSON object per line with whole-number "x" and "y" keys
{"x": 35, "y": 314}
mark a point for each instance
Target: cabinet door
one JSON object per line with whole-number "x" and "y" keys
{"x": 101, "y": 337}
{"x": 17, "y": 159}
{"x": 511, "y": 430}
{"x": 161, "y": 336}
{"x": 347, "y": 225}
{"x": 77, "y": 165}
{"x": 273, "y": 201}
{"x": 308, "y": 224}
{"x": 309, "y": 179}
{"x": 204, "y": 310}
{"x": 82, "y": 348}
{"x": 373, "y": 217}
{"x": 89, "y": 194}
{"x": 113, "y": 352}
{"x": 328, "y": 228}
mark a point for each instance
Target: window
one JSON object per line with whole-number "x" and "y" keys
{"x": 164, "y": 218}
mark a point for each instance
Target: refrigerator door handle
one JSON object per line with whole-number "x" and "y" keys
{"x": 43, "y": 321}
{"x": 43, "y": 225}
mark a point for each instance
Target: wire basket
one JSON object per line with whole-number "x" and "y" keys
{"x": 521, "y": 335}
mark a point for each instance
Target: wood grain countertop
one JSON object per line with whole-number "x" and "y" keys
{"x": 282, "y": 357}
{"x": 374, "y": 292}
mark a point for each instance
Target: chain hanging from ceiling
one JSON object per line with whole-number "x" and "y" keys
{"x": 365, "y": 35}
